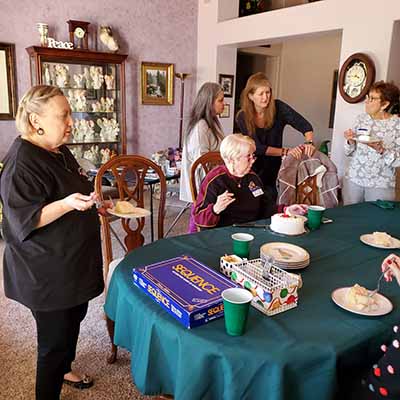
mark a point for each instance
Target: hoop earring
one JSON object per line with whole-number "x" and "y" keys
{"x": 40, "y": 131}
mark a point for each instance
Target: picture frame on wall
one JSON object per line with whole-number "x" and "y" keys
{"x": 226, "y": 112}
{"x": 226, "y": 81}
{"x": 8, "y": 84}
{"x": 157, "y": 82}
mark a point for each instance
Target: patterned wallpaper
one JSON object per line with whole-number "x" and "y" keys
{"x": 147, "y": 30}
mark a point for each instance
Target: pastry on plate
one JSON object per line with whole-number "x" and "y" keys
{"x": 124, "y": 207}
{"x": 357, "y": 298}
{"x": 382, "y": 239}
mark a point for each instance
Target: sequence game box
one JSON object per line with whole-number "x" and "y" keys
{"x": 185, "y": 288}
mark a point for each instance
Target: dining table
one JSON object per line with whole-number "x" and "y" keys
{"x": 309, "y": 352}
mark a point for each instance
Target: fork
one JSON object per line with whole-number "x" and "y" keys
{"x": 374, "y": 292}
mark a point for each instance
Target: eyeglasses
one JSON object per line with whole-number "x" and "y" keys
{"x": 249, "y": 157}
{"x": 370, "y": 99}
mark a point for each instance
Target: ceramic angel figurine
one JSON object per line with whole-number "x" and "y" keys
{"x": 105, "y": 155}
{"x": 79, "y": 78}
{"x": 46, "y": 74}
{"x": 96, "y": 106}
{"x": 97, "y": 76}
{"x": 107, "y": 38}
{"x": 90, "y": 133}
{"x": 80, "y": 100}
{"x": 86, "y": 76}
{"x": 77, "y": 152}
{"x": 113, "y": 129}
{"x": 61, "y": 74}
{"x": 109, "y": 79}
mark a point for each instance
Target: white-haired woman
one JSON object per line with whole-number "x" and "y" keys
{"x": 232, "y": 193}
{"x": 52, "y": 258}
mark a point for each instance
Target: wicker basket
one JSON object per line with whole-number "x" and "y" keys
{"x": 273, "y": 294}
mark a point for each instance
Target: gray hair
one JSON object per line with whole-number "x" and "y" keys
{"x": 235, "y": 145}
{"x": 203, "y": 108}
{"x": 33, "y": 101}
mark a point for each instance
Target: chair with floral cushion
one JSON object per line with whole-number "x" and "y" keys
{"x": 128, "y": 176}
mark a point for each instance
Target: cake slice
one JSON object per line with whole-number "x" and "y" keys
{"x": 357, "y": 298}
{"x": 382, "y": 239}
{"x": 124, "y": 207}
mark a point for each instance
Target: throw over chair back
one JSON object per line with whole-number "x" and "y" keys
{"x": 307, "y": 191}
{"x": 128, "y": 175}
{"x": 200, "y": 169}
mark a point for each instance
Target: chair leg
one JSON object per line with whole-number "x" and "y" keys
{"x": 110, "y": 328}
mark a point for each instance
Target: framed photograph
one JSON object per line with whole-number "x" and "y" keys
{"x": 226, "y": 113}
{"x": 8, "y": 85}
{"x": 157, "y": 83}
{"x": 226, "y": 81}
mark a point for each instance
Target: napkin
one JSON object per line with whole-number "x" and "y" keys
{"x": 387, "y": 205}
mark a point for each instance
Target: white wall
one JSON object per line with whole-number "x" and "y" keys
{"x": 366, "y": 27}
{"x": 306, "y": 78}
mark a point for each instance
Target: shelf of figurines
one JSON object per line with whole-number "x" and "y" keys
{"x": 87, "y": 131}
{"x": 93, "y": 152}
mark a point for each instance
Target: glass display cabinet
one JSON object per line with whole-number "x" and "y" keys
{"x": 94, "y": 84}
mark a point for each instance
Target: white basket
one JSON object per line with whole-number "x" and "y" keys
{"x": 271, "y": 295}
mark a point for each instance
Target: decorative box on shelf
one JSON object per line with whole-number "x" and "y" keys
{"x": 273, "y": 292}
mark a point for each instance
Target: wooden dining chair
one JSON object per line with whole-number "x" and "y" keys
{"x": 307, "y": 191}
{"x": 204, "y": 163}
{"x": 127, "y": 174}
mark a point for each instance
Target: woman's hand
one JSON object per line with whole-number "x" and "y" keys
{"x": 79, "y": 201}
{"x": 296, "y": 152}
{"x": 309, "y": 149}
{"x": 378, "y": 146}
{"x": 349, "y": 136}
{"x": 391, "y": 265}
{"x": 223, "y": 201}
{"x": 103, "y": 206}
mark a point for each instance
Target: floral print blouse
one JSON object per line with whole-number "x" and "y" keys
{"x": 368, "y": 168}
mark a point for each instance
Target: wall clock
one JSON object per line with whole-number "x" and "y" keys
{"x": 356, "y": 77}
{"x": 79, "y": 33}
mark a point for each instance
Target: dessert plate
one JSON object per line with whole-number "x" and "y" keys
{"x": 385, "y": 306}
{"x": 286, "y": 255}
{"x": 137, "y": 212}
{"x": 369, "y": 240}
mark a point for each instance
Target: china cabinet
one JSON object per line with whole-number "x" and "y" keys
{"x": 94, "y": 84}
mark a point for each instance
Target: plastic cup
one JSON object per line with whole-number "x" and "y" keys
{"x": 241, "y": 244}
{"x": 236, "y": 310}
{"x": 314, "y": 216}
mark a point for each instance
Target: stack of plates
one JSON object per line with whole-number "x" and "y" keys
{"x": 286, "y": 255}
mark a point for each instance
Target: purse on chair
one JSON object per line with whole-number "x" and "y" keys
{"x": 128, "y": 176}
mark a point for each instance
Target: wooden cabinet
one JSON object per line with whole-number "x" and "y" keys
{"x": 94, "y": 84}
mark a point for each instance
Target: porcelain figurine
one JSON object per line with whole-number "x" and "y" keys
{"x": 61, "y": 74}
{"x": 107, "y": 38}
{"x": 109, "y": 79}
{"x": 79, "y": 80}
{"x": 96, "y": 76}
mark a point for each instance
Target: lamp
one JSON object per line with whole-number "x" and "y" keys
{"x": 182, "y": 76}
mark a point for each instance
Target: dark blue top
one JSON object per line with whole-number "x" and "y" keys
{"x": 267, "y": 167}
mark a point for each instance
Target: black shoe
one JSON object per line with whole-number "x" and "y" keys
{"x": 85, "y": 383}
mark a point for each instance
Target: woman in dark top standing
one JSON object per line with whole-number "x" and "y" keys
{"x": 264, "y": 118}
{"x": 52, "y": 258}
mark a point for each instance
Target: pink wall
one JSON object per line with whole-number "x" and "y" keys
{"x": 148, "y": 30}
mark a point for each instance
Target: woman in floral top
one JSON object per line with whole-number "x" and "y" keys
{"x": 373, "y": 148}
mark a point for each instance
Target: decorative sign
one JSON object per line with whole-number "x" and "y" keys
{"x": 58, "y": 44}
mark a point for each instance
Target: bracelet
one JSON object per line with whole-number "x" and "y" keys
{"x": 285, "y": 151}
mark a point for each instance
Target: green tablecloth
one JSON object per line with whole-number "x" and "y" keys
{"x": 298, "y": 354}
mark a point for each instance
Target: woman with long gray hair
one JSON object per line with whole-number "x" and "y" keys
{"x": 203, "y": 133}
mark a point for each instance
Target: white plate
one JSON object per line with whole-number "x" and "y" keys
{"x": 369, "y": 240}
{"x": 385, "y": 306}
{"x": 285, "y": 253}
{"x": 368, "y": 141}
{"x": 137, "y": 213}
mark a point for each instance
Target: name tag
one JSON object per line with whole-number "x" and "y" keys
{"x": 255, "y": 190}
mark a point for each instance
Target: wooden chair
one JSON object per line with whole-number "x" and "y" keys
{"x": 127, "y": 172}
{"x": 307, "y": 191}
{"x": 207, "y": 162}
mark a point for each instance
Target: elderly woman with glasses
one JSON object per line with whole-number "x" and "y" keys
{"x": 232, "y": 193}
{"x": 373, "y": 148}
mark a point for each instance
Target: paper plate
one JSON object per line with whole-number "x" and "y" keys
{"x": 369, "y": 240}
{"x": 285, "y": 253}
{"x": 385, "y": 306}
{"x": 137, "y": 212}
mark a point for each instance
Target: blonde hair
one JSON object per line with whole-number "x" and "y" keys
{"x": 235, "y": 145}
{"x": 247, "y": 106}
{"x": 32, "y": 102}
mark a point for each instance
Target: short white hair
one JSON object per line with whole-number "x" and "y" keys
{"x": 235, "y": 145}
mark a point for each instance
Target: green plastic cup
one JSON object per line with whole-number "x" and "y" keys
{"x": 241, "y": 244}
{"x": 236, "y": 310}
{"x": 314, "y": 216}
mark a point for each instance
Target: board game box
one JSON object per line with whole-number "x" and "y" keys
{"x": 185, "y": 288}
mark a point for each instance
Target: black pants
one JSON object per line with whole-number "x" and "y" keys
{"x": 57, "y": 336}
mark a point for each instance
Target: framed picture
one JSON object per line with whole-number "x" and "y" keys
{"x": 157, "y": 83}
{"x": 226, "y": 81}
{"x": 226, "y": 113}
{"x": 8, "y": 86}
